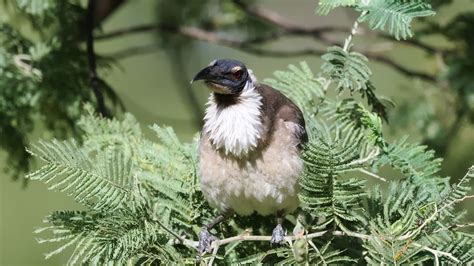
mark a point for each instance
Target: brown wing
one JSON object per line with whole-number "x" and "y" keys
{"x": 277, "y": 106}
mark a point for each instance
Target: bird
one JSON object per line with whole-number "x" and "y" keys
{"x": 249, "y": 148}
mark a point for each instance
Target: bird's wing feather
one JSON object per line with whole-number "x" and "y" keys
{"x": 278, "y": 106}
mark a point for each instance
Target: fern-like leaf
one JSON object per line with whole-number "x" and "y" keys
{"x": 348, "y": 69}
{"x": 322, "y": 189}
{"x": 395, "y": 15}
{"x": 103, "y": 183}
{"x": 125, "y": 235}
{"x": 414, "y": 161}
{"x": 300, "y": 85}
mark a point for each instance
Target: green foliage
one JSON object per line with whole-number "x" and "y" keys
{"x": 36, "y": 7}
{"x": 105, "y": 176}
{"x": 163, "y": 196}
{"x": 350, "y": 72}
{"x": 329, "y": 155}
{"x": 121, "y": 177}
{"x": 395, "y": 15}
{"x": 409, "y": 226}
{"x": 143, "y": 204}
{"x": 301, "y": 85}
{"x": 414, "y": 161}
{"x": 32, "y": 76}
{"x": 348, "y": 69}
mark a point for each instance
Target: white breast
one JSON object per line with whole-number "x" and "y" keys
{"x": 265, "y": 182}
{"x": 238, "y": 127}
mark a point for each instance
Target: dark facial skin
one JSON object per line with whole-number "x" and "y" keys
{"x": 224, "y": 76}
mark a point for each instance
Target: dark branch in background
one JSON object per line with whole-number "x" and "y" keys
{"x": 280, "y": 22}
{"x": 400, "y": 68}
{"x": 285, "y": 27}
{"x": 247, "y": 45}
{"x": 284, "y": 24}
{"x": 94, "y": 79}
{"x": 125, "y": 31}
{"x": 289, "y": 27}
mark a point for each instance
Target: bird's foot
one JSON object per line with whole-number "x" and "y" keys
{"x": 205, "y": 241}
{"x": 278, "y": 235}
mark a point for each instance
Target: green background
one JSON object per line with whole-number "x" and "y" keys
{"x": 147, "y": 86}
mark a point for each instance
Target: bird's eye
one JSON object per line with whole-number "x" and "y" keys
{"x": 237, "y": 74}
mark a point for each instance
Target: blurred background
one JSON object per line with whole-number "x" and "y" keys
{"x": 148, "y": 51}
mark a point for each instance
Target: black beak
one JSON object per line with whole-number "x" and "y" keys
{"x": 204, "y": 74}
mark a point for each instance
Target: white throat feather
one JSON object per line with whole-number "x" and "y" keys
{"x": 235, "y": 128}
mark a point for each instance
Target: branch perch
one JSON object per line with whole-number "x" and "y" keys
{"x": 437, "y": 253}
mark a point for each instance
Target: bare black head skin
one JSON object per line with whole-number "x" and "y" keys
{"x": 224, "y": 76}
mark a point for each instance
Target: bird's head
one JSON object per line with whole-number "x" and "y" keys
{"x": 224, "y": 76}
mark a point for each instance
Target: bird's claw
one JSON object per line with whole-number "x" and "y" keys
{"x": 278, "y": 235}
{"x": 205, "y": 241}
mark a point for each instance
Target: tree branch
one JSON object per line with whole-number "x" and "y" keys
{"x": 128, "y": 30}
{"x": 398, "y": 67}
{"x": 372, "y": 174}
{"x": 275, "y": 19}
{"x": 282, "y": 23}
{"x": 278, "y": 21}
{"x": 432, "y": 217}
{"x": 454, "y": 226}
{"x": 94, "y": 79}
{"x": 247, "y": 237}
{"x": 437, "y": 253}
{"x": 413, "y": 42}
{"x": 247, "y": 45}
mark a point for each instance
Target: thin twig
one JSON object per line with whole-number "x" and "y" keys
{"x": 372, "y": 174}
{"x": 317, "y": 250}
{"x": 432, "y": 217}
{"x": 94, "y": 79}
{"x": 225, "y": 241}
{"x": 437, "y": 253}
{"x": 372, "y": 155}
{"x": 171, "y": 232}
{"x": 454, "y": 226}
{"x": 348, "y": 42}
{"x": 214, "y": 255}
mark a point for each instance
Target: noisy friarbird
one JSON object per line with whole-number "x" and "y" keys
{"x": 249, "y": 148}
